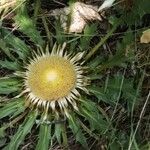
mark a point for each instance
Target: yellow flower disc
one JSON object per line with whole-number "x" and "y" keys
{"x": 50, "y": 78}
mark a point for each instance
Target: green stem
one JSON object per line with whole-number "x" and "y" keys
{"x": 102, "y": 41}
{"x": 46, "y": 29}
{"x": 37, "y": 8}
{"x": 64, "y": 136}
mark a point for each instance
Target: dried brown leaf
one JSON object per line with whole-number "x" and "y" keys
{"x": 145, "y": 38}
{"x": 80, "y": 14}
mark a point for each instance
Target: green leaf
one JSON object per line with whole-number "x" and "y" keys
{"x": 9, "y": 85}
{"x": 75, "y": 127}
{"x": 115, "y": 146}
{"x": 128, "y": 91}
{"x": 100, "y": 94}
{"x": 19, "y": 111}
{"x": 2, "y": 132}
{"x": 139, "y": 9}
{"x": 58, "y": 132}
{"x": 11, "y": 107}
{"x": 15, "y": 44}
{"x": 44, "y": 137}
{"x": 5, "y": 49}
{"x": 23, "y": 130}
{"x": 11, "y": 65}
{"x": 2, "y": 141}
{"x": 27, "y": 26}
{"x": 94, "y": 63}
{"x": 145, "y": 146}
{"x": 113, "y": 88}
{"x": 89, "y": 33}
{"x": 124, "y": 52}
{"x": 60, "y": 37}
{"x": 90, "y": 112}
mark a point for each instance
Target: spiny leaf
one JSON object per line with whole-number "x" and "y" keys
{"x": 94, "y": 63}
{"x": 89, "y": 32}
{"x": 9, "y": 65}
{"x": 11, "y": 107}
{"x": 5, "y": 49}
{"x": 75, "y": 127}
{"x": 15, "y": 44}
{"x": 9, "y": 85}
{"x": 2, "y": 132}
{"x": 3, "y": 141}
{"x": 128, "y": 90}
{"x": 60, "y": 37}
{"x": 19, "y": 111}
{"x": 44, "y": 137}
{"x": 124, "y": 53}
{"x": 23, "y": 130}
{"x": 58, "y": 132}
{"x": 91, "y": 113}
{"x": 27, "y": 26}
{"x": 139, "y": 9}
{"x": 99, "y": 93}
{"x": 110, "y": 94}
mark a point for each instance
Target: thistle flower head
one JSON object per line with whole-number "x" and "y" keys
{"x": 52, "y": 81}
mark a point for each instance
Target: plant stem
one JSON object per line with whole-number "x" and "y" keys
{"x": 36, "y": 9}
{"x": 102, "y": 41}
{"x": 64, "y": 136}
{"x": 47, "y": 29}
